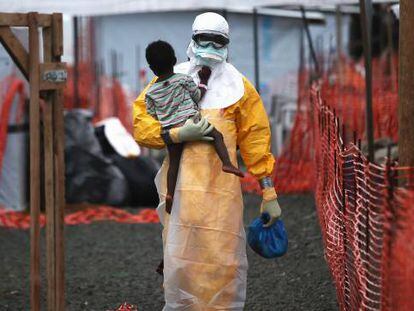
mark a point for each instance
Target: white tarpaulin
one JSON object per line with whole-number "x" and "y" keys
{"x": 106, "y": 7}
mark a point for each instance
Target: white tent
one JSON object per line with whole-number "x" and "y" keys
{"x": 107, "y": 7}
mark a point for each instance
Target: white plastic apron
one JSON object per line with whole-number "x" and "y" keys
{"x": 205, "y": 264}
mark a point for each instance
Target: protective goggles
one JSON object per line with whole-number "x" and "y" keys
{"x": 216, "y": 41}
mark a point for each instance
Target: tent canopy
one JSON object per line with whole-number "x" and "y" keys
{"x": 106, "y": 7}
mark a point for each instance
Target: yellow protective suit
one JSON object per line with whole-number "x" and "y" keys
{"x": 205, "y": 264}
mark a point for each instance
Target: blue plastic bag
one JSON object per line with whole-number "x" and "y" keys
{"x": 267, "y": 242}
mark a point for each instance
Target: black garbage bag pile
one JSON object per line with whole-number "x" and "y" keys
{"x": 97, "y": 175}
{"x": 138, "y": 171}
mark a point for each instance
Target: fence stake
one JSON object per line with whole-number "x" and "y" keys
{"x": 256, "y": 50}
{"x": 311, "y": 47}
{"x": 366, "y": 25}
{"x": 76, "y": 62}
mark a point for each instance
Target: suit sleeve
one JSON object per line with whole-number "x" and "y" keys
{"x": 147, "y": 130}
{"x": 254, "y": 135}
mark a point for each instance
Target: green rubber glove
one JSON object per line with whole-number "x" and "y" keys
{"x": 191, "y": 131}
{"x": 270, "y": 206}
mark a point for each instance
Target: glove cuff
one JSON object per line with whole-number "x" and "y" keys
{"x": 266, "y": 182}
{"x": 174, "y": 135}
{"x": 269, "y": 194}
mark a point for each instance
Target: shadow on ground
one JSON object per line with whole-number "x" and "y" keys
{"x": 109, "y": 263}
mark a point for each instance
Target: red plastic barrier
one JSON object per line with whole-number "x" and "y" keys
{"x": 21, "y": 220}
{"x": 15, "y": 87}
{"x": 345, "y": 95}
{"x": 126, "y": 307}
{"x": 366, "y": 219}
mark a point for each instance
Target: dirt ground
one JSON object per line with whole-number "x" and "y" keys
{"x": 109, "y": 263}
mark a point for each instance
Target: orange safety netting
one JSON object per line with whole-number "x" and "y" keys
{"x": 345, "y": 93}
{"x": 21, "y": 220}
{"x": 366, "y": 215}
{"x": 12, "y": 87}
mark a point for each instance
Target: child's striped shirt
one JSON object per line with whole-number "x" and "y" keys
{"x": 174, "y": 100}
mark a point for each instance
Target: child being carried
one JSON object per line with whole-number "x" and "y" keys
{"x": 172, "y": 100}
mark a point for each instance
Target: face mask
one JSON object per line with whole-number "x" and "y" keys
{"x": 208, "y": 55}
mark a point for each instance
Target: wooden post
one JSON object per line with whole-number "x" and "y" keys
{"x": 49, "y": 179}
{"x": 54, "y": 170}
{"x": 34, "y": 75}
{"x": 366, "y": 26}
{"x": 406, "y": 84}
{"x": 59, "y": 167}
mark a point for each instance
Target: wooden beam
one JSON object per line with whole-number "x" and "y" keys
{"x": 57, "y": 34}
{"x": 406, "y": 84}
{"x": 59, "y": 168}
{"x": 49, "y": 176}
{"x": 22, "y": 19}
{"x": 15, "y": 49}
{"x": 34, "y": 163}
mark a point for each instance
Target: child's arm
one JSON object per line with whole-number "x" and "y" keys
{"x": 197, "y": 92}
{"x": 204, "y": 75}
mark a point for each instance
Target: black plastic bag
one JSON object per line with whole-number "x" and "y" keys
{"x": 139, "y": 172}
{"x": 91, "y": 177}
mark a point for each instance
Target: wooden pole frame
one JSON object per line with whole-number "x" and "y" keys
{"x": 47, "y": 78}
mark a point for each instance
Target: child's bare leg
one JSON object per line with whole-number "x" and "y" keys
{"x": 223, "y": 154}
{"x": 174, "y": 153}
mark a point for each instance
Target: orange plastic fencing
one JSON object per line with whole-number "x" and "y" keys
{"x": 365, "y": 213}
{"x": 345, "y": 93}
{"x": 21, "y": 220}
{"x": 14, "y": 88}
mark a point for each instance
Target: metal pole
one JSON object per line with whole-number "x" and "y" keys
{"x": 137, "y": 68}
{"x": 406, "y": 84}
{"x": 390, "y": 44}
{"x": 339, "y": 43}
{"x": 366, "y": 26}
{"x": 114, "y": 68}
{"x": 308, "y": 35}
{"x": 75, "y": 62}
{"x": 256, "y": 50}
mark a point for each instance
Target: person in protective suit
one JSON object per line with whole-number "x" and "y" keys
{"x": 204, "y": 242}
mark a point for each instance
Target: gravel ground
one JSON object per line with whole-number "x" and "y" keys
{"x": 109, "y": 263}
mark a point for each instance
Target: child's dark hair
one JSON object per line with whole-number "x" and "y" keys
{"x": 161, "y": 57}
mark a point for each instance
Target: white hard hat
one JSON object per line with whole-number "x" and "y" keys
{"x": 211, "y": 23}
